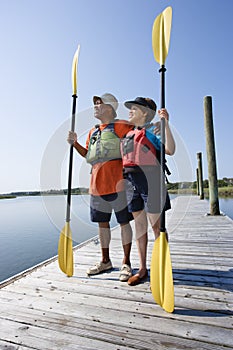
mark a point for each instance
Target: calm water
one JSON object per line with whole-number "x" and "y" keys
{"x": 226, "y": 206}
{"x": 31, "y": 226}
{"x": 30, "y": 229}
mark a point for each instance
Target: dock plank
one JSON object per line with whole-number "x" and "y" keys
{"x": 44, "y": 309}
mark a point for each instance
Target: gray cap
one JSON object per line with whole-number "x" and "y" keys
{"x": 107, "y": 99}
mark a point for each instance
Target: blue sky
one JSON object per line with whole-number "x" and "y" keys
{"x": 38, "y": 40}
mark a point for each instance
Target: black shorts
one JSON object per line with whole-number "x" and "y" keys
{"x": 143, "y": 191}
{"x": 101, "y": 208}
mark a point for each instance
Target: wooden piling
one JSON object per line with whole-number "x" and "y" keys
{"x": 200, "y": 176}
{"x": 198, "y": 191}
{"x": 211, "y": 157}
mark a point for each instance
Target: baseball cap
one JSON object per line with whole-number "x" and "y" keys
{"x": 107, "y": 99}
{"x": 143, "y": 101}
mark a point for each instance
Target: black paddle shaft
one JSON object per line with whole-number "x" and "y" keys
{"x": 162, "y": 71}
{"x": 70, "y": 162}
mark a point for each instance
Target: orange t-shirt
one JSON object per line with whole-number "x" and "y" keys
{"x": 106, "y": 177}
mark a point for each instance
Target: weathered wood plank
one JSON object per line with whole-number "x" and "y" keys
{"x": 40, "y": 338}
{"x": 47, "y": 310}
{"x": 4, "y": 345}
{"x": 115, "y": 334}
{"x": 124, "y": 312}
{"x": 92, "y": 286}
{"x": 213, "y": 312}
{"x": 69, "y": 324}
{"x": 95, "y": 310}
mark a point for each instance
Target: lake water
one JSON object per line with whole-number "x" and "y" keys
{"x": 30, "y": 229}
{"x": 31, "y": 226}
{"x": 226, "y": 206}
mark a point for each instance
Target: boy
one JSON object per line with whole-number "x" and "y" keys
{"x": 140, "y": 155}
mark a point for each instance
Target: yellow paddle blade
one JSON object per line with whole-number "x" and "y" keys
{"x": 161, "y": 278}
{"x": 65, "y": 250}
{"x": 161, "y": 35}
{"x": 74, "y": 70}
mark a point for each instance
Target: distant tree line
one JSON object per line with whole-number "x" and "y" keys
{"x": 225, "y": 182}
{"x": 186, "y": 185}
{"x": 78, "y": 190}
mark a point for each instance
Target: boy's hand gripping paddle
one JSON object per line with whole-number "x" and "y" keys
{"x": 161, "y": 268}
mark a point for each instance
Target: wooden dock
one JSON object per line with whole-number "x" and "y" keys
{"x": 44, "y": 309}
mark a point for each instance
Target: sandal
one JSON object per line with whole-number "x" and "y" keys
{"x": 99, "y": 267}
{"x": 125, "y": 273}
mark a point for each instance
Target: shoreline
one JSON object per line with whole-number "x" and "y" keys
{"x": 223, "y": 192}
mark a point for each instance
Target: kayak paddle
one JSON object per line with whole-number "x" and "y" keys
{"x": 161, "y": 268}
{"x": 65, "y": 246}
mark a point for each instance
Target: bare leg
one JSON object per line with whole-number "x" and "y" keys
{"x": 141, "y": 226}
{"x": 126, "y": 237}
{"x": 105, "y": 237}
{"x": 154, "y": 221}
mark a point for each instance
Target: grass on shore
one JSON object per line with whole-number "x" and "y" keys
{"x": 222, "y": 191}
{"x": 7, "y": 196}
